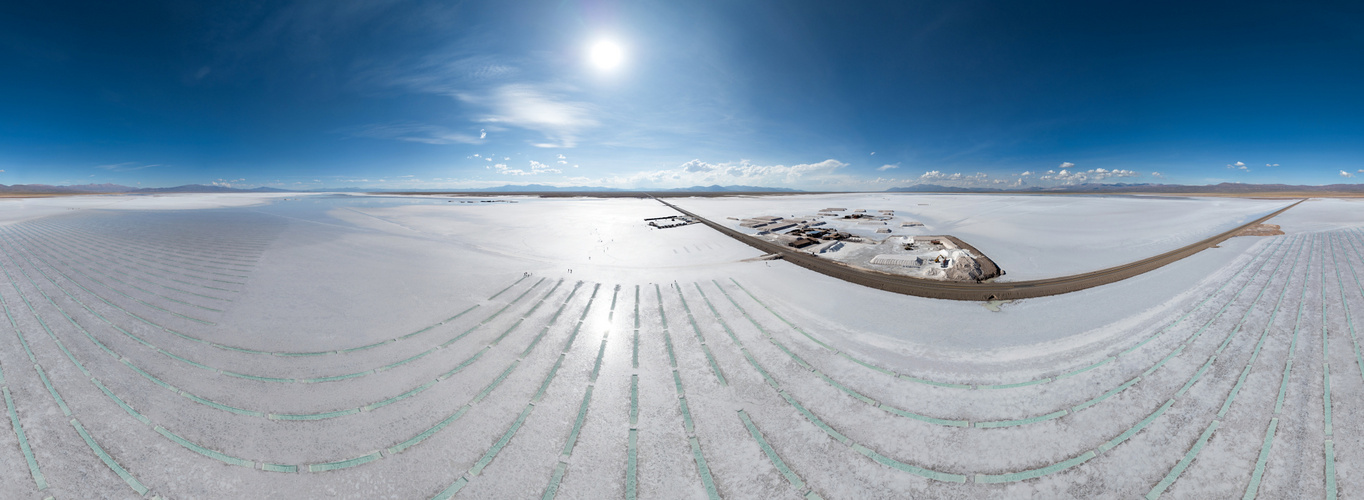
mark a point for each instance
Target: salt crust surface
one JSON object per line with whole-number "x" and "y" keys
{"x": 329, "y": 273}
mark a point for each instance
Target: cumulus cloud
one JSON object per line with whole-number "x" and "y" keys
{"x": 1347, "y": 174}
{"x": 1066, "y": 164}
{"x": 884, "y": 168}
{"x": 1271, "y": 164}
{"x": 1083, "y": 176}
{"x": 227, "y": 183}
{"x": 1360, "y": 170}
{"x": 1025, "y": 174}
{"x": 1157, "y": 175}
{"x": 1240, "y": 165}
{"x": 482, "y": 133}
{"x": 536, "y": 168}
{"x": 696, "y": 166}
{"x": 935, "y": 175}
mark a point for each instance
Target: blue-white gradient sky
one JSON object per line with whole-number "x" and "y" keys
{"x": 807, "y": 95}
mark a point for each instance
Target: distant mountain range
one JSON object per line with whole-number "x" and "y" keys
{"x": 116, "y": 188}
{"x": 201, "y": 188}
{"x": 1223, "y": 188}
{"x": 536, "y": 188}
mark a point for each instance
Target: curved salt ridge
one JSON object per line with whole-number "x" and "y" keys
{"x": 1327, "y": 445}
{"x": 991, "y": 478}
{"x": 75, "y": 240}
{"x": 714, "y": 367}
{"x": 496, "y": 448}
{"x": 90, "y": 441}
{"x": 131, "y": 254}
{"x": 1354, "y": 337}
{"x": 275, "y": 467}
{"x": 1012, "y": 385}
{"x": 698, "y": 456}
{"x": 91, "y": 260}
{"x": 299, "y": 416}
{"x": 7, "y": 237}
{"x": 228, "y": 372}
{"x": 1179, "y": 467}
{"x": 274, "y": 353}
{"x": 996, "y": 423}
{"x": 767, "y": 449}
{"x": 34, "y": 470}
{"x": 262, "y": 378}
{"x": 140, "y": 289}
{"x": 166, "y": 247}
{"x": 571, "y": 440}
{"x": 632, "y": 443}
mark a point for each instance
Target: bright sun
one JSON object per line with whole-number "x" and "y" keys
{"x": 606, "y": 54}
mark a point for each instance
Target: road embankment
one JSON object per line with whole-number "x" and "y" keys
{"x": 975, "y": 291}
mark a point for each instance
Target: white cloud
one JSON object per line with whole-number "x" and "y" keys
{"x": 873, "y": 153}
{"x": 934, "y": 175}
{"x": 1157, "y": 175}
{"x": 1240, "y": 165}
{"x": 1271, "y": 164}
{"x": 412, "y": 132}
{"x": 884, "y": 168}
{"x": 562, "y": 157}
{"x": 1066, "y": 164}
{"x": 1081, "y": 177}
{"x": 697, "y": 172}
{"x": 227, "y": 183}
{"x": 127, "y": 166}
{"x": 560, "y": 120}
{"x": 1360, "y": 170}
{"x": 483, "y": 133}
{"x": 1346, "y": 174}
{"x": 1025, "y": 174}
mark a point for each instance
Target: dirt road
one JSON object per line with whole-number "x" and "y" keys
{"x": 974, "y": 291}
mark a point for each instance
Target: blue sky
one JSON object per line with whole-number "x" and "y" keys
{"x": 808, "y": 95}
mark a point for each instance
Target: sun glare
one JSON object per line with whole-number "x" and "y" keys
{"x": 606, "y": 55}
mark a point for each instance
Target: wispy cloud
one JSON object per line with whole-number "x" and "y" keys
{"x": 559, "y": 119}
{"x": 412, "y": 132}
{"x": 1347, "y": 174}
{"x": 697, "y": 172}
{"x": 127, "y": 166}
{"x": 884, "y": 168}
